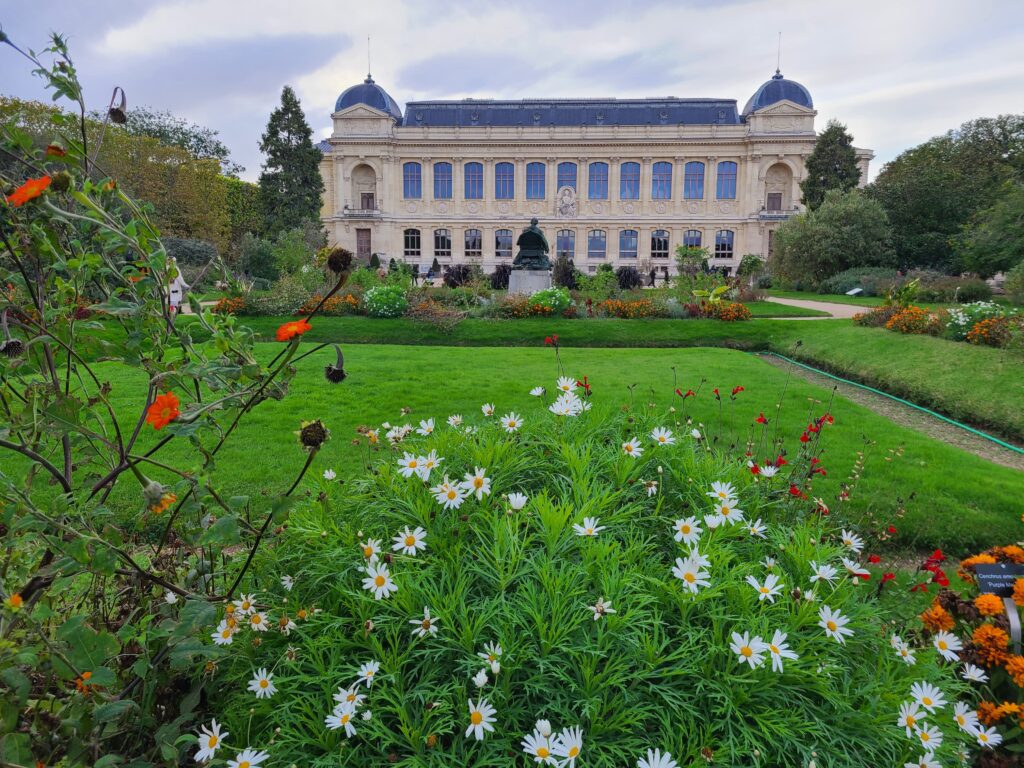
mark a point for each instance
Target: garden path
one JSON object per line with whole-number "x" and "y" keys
{"x": 835, "y": 310}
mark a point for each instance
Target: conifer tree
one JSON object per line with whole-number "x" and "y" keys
{"x": 832, "y": 165}
{"x": 290, "y": 185}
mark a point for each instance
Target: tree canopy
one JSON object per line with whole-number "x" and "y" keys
{"x": 831, "y": 165}
{"x": 994, "y": 240}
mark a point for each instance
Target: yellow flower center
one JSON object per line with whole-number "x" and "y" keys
{"x": 574, "y": 751}
{"x": 244, "y": 764}
{"x": 543, "y": 752}
{"x": 629, "y": 448}
{"x": 747, "y": 651}
{"x": 491, "y": 657}
{"x": 590, "y": 531}
{"x": 511, "y": 423}
{"x": 689, "y": 577}
{"x": 774, "y": 649}
{"x": 725, "y": 511}
{"x": 478, "y": 482}
{"x": 765, "y": 590}
{"x": 451, "y": 493}
{"x": 256, "y": 619}
{"x": 943, "y": 645}
{"x": 212, "y": 742}
{"x": 661, "y": 439}
{"x": 831, "y": 626}
{"x": 413, "y": 464}
{"x": 684, "y": 529}
{"x": 926, "y": 701}
{"x": 426, "y": 624}
{"x": 925, "y": 736}
{"x": 960, "y": 719}
{"x": 410, "y": 541}
{"x": 379, "y": 580}
{"x": 983, "y": 738}
{"x": 911, "y": 721}
{"x": 345, "y": 718}
{"x": 369, "y": 673}
{"x": 246, "y": 605}
{"x": 367, "y": 551}
{"x": 476, "y": 718}
{"x": 722, "y": 495}
{"x": 264, "y": 683}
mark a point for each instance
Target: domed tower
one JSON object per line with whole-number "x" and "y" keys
{"x": 368, "y": 93}
{"x": 778, "y": 89}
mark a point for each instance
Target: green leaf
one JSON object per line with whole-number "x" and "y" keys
{"x": 16, "y": 748}
{"x": 87, "y": 648}
{"x": 17, "y": 682}
{"x": 195, "y": 615}
{"x": 107, "y": 760}
{"x": 115, "y": 710}
{"x": 224, "y": 532}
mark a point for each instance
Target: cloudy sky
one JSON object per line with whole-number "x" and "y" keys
{"x": 895, "y": 71}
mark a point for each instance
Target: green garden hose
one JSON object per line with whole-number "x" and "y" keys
{"x": 946, "y": 419}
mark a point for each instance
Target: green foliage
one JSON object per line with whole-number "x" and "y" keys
{"x": 874, "y": 281}
{"x": 245, "y": 213}
{"x": 197, "y": 253}
{"x": 629, "y": 277}
{"x": 994, "y": 239}
{"x": 847, "y": 230}
{"x": 563, "y": 272}
{"x": 456, "y": 275}
{"x": 386, "y": 301}
{"x": 750, "y": 265}
{"x": 903, "y": 295}
{"x": 1014, "y": 284}
{"x": 287, "y": 294}
{"x": 691, "y": 260}
{"x": 290, "y": 185}
{"x": 557, "y": 300}
{"x": 374, "y": 261}
{"x": 931, "y": 191}
{"x": 500, "y": 277}
{"x": 256, "y": 258}
{"x": 832, "y": 165}
{"x": 601, "y": 285}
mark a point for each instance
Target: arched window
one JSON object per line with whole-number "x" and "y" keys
{"x": 412, "y": 243}
{"x": 443, "y": 243}
{"x": 504, "y": 181}
{"x": 474, "y": 181}
{"x": 627, "y": 244}
{"x": 723, "y": 244}
{"x": 659, "y": 244}
{"x": 726, "y": 180}
{"x": 565, "y": 243}
{"x": 597, "y": 178}
{"x": 503, "y": 243}
{"x": 693, "y": 181}
{"x": 442, "y": 181}
{"x": 567, "y": 175}
{"x": 691, "y": 238}
{"x": 412, "y": 178}
{"x": 597, "y": 244}
{"x": 536, "y": 174}
{"x": 661, "y": 181}
{"x": 474, "y": 243}
{"x": 629, "y": 181}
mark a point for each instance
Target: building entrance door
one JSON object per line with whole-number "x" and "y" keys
{"x": 363, "y": 243}
{"x": 366, "y": 201}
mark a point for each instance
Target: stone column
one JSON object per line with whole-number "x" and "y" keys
{"x": 428, "y": 179}
{"x": 458, "y": 187}
{"x": 614, "y": 174}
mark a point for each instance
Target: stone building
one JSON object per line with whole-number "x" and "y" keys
{"x": 618, "y": 181}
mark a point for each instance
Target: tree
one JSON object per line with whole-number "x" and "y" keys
{"x": 832, "y": 165}
{"x": 245, "y": 214}
{"x": 290, "y": 185}
{"x": 994, "y": 240}
{"x": 848, "y": 230}
{"x": 563, "y": 274}
{"x": 690, "y": 260}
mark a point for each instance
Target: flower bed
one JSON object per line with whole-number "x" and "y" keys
{"x": 982, "y": 322}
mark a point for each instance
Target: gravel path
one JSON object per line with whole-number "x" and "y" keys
{"x": 835, "y": 310}
{"x": 909, "y": 417}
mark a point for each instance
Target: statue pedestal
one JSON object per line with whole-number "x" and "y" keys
{"x": 528, "y": 281}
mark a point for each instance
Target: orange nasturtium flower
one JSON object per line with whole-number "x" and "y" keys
{"x": 30, "y": 190}
{"x": 163, "y": 411}
{"x": 291, "y": 329}
{"x": 988, "y": 605}
{"x": 161, "y": 505}
{"x": 14, "y": 602}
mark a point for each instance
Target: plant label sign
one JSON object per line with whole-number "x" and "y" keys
{"x": 998, "y": 578}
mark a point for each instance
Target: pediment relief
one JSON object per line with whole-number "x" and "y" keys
{"x": 785, "y": 107}
{"x": 361, "y": 110}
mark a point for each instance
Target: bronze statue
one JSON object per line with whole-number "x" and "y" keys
{"x": 533, "y": 249}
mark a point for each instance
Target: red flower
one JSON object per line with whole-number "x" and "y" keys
{"x": 940, "y": 578}
{"x": 585, "y": 384}
{"x": 888, "y": 577}
{"x": 736, "y": 391}
{"x": 804, "y": 438}
{"x": 163, "y": 410}
{"x": 551, "y": 341}
{"x": 874, "y": 559}
{"x": 291, "y": 329}
{"x": 781, "y": 461}
{"x": 30, "y": 190}
{"x": 892, "y": 529}
{"x": 55, "y": 150}
{"x": 761, "y": 419}
{"x": 819, "y": 471}
{"x": 688, "y": 393}
{"x": 754, "y": 469}
{"x": 717, "y": 395}
{"x": 922, "y": 587}
{"x": 794, "y": 491}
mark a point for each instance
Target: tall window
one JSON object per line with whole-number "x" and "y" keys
{"x": 474, "y": 243}
{"x": 598, "y": 181}
{"x": 629, "y": 181}
{"x": 474, "y": 181}
{"x": 412, "y": 243}
{"x": 661, "y": 181}
{"x": 412, "y": 177}
{"x": 693, "y": 181}
{"x": 691, "y": 238}
{"x": 442, "y": 181}
{"x": 627, "y": 244}
{"x": 567, "y": 175}
{"x": 536, "y": 174}
{"x": 597, "y": 244}
{"x": 726, "y": 181}
{"x": 659, "y": 244}
{"x": 504, "y": 181}
{"x": 565, "y": 243}
{"x": 503, "y": 243}
{"x": 443, "y": 243}
{"x": 723, "y": 244}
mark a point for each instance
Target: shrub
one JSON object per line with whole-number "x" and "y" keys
{"x": 563, "y": 273}
{"x": 877, "y": 317}
{"x": 385, "y": 301}
{"x": 1014, "y": 284}
{"x": 256, "y": 258}
{"x": 595, "y": 631}
{"x": 962, "y": 319}
{"x": 629, "y": 277}
{"x": 764, "y": 281}
{"x": 626, "y": 309}
{"x": 190, "y": 252}
{"x": 874, "y": 281}
{"x": 500, "y": 276}
{"x": 555, "y": 300}
{"x": 457, "y": 274}
{"x": 230, "y": 305}
{"x": 995, "y": 331}
{"x": 336, "y": 305}
{"x": 729, "y": 311}
{"x": 935, "y": 286}
{"x": 914, "y": 320}
{"x": 284, "y": 298}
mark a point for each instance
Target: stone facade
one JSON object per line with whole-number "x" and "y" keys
{"x": 382, "y": 196}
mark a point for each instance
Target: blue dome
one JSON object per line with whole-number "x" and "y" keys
{"x": 779, "y": 89}
{"x": 370, "y": 94}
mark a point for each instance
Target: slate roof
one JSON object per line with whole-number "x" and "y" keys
{"x": 371, "y": 94}
{"x": 778, "y": 89}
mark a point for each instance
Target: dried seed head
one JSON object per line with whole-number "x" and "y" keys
{"x": 336, "y": 373}
{"x": 313, "y": 434}
{"x": 339, "y": 260}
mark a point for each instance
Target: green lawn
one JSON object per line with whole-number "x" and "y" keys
{"x": 979, "y": 385}
{"x": 952, "y": 498}
{"x": 771, "y": 309}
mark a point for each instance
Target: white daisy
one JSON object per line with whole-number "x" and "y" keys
{"x": 722, "y": 491}
{"x": 757, "y": 529}
{"x": 367, "y": 672}
{"x": 210, "y": 738}
{"x": 367, "y": 715}
{"x": 695, "y": 434}
{"x": 476, "y": 483}
{"x": 568, "y": 744}
{"x": 491, "y": 652}
{"x": 904, "y": 652}
{"x": 852, "y": 542}
{"x": 342, "y": 717}
{"x": 633, "y": 448}
{"x": 288, "y": 583}
{"x": 409, "y": 465}
{"x": 568, "y": 404}
{"x": 767, "y": 591}
{"x": 657, "y": 759}
{"x": 924, "y": 761}
{"x": 823, "y": 572}
{"x": 688, "y": 530}
{"x": 426, "y": 427}
{"x": 378, "y": 580}
{"x": 262, "y": 684}
{"x": 248, "y": 758}
{"x": 947, "y": 644}
{"x": 538, "y": 391}
{"x": 286, "y": 625}
{"x": 517, "y": 501}
{"x": 662, "y": 436}
{"x": 371, "y": 548}
{"x": 449, "y": 495}
{"x": 455, "y": 420}
{"x": 930, "y": 736}
{"x": 602, "y": 608}
{"x": 488, "y": 409}
{"x": 425, "y": 626}
{"x": 928, "y": 696}
{"x": 590, "y": 527}
{"x": 543, "y": 727}
{"x": 834, "y": 624}
{"x": 855, "y": 569}
{"x": 481, "y": 717}
{"x": 701, "y": 560}
{"x": 689, "y": 572}
{"x": 538, "y": 746}
{"x": 769, "y": 471}
{"x": 330, "y": 474}
{"x": 768, "y": 563}
{"x": 748, "y": 650}
{"x": 410, "y": 542}
{"x": 910, "y": 717}
{"x": 258, "y": 622}
{"x": 729, "y": 513}
{"x": 974, "y": 674}
{"x": 778, "y": 650}
{"x": 428, "y": 464}
{"x": 566, "y": 384}
{"x": 480, "y": 678}
{"x": 965, "y": 717}
{"x": 224, "y": 634}
{"x": 988, "y": 737}
{"x": 245, "y": 604}
{"x": 511, "y": 422}
{"x": 349, "y": 697}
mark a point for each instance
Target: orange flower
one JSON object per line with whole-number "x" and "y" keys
{"x": 991, "y": 643}
{"x": 55, "y": 150}
{"x": 14, "y": 602}
{"x": 163, "y": 411}
{"x": 1012, "y": 553}
{"x": 82, "y": 683}
{"x": 165, "y": 501}
{"x": 1015, "y": 669}
{"x": 965, "y": 571}
{"x": 988, "y": 713}
{"x": 1018, "y": 592}
{"x": 30, "y": 190}
{"x": 291, "y": 329}
{"x": 937, "y": 618}
{"x": 988, "y": 605}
